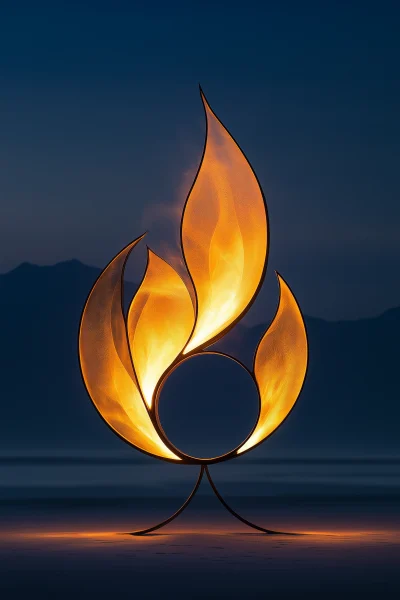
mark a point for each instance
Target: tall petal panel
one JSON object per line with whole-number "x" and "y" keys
{"x": 224, "y": 235}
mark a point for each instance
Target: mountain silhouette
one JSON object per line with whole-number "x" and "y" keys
{"x": 349, "y": 404}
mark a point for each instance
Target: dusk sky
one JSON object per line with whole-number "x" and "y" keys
{"x": 102, "y": 129}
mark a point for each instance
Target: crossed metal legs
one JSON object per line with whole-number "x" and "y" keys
{"x": 204, "y": 470}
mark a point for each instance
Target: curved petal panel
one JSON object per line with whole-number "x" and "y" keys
{"x": 224, "y": 235}
{"x": 280, "y": 366}
{"x": 160, "y": 320}
{"x": 106, "y": 364}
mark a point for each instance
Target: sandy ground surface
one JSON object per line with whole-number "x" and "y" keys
{"x": 63, "y": 527}
{"x": 71, "y": 553}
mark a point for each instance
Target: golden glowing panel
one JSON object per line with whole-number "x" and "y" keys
{"x": 160, "y": 320}
{"x": 279, "y": 366}
{"x": 106, "y": 364}
{"x": 224, "y": 235}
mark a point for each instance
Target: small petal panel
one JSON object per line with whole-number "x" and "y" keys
{"x": 160, "y": 320}
{"x": 280, "y": 366}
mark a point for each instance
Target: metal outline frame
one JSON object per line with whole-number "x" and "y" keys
{"x": 200, "y": 350}
{"x": 187, "y": 458}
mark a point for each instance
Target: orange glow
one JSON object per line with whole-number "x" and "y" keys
{"x": 320, "y": 538}
{"x": 106, "y": 364}
{"x": 280, "y": 366}
{"x": 160, "y": 320}
{"x": 224, "y": 235}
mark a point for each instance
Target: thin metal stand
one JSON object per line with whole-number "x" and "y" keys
{"x": 178, "y": 512}
{"x": 204, "y": 469}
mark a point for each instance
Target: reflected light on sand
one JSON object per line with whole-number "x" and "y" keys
{"x": 320, "y": 537}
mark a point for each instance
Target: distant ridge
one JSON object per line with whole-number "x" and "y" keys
{"x": 349, "y": 405}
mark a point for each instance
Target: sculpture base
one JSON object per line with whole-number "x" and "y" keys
{"x": 204, "y": 469}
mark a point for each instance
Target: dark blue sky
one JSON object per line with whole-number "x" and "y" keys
{"x": 102, "y": 128}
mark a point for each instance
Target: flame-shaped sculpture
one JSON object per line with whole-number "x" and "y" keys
{"x": 224, "y": 234}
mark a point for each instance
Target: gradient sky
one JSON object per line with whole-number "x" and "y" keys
{"x": 102, "y": 129}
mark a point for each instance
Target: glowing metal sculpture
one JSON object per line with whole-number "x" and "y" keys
{"x": 224, "y": 235}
